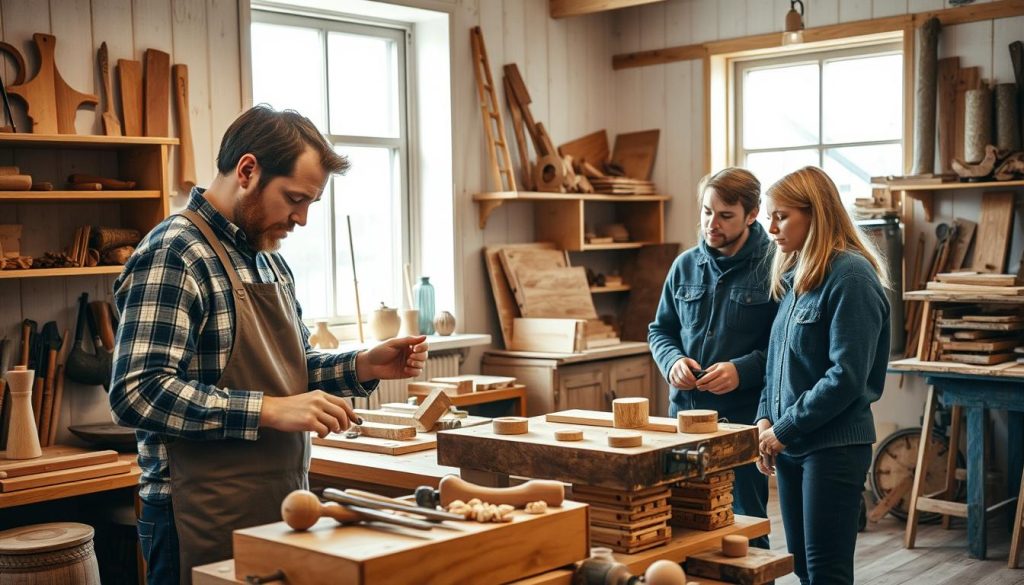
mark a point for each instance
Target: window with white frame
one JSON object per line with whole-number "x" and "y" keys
{"x": 350, "y": 80}
{"x": 840, "y": 110}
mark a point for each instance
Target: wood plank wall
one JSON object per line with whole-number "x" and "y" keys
{"x": 204, "y": 35}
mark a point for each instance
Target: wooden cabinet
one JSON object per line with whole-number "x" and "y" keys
{"x": 589, "y": 380}
{"x": 52, "y": 158}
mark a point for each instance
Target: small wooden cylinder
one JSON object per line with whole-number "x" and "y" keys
{"x": 59, "y": 552}
{"x": 735, "y": 545}
{"x": 569, "y": 435}
{"x": 625, "y": 440}
{"x": 698, "y": 421}
{"x": 977, "y": 124}
{"x": 630, "y": 413}
{"x": 510, "y": 425}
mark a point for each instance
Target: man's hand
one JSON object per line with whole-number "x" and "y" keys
{"x": 681, "y": 375}
{"x": 315, "y": 411}
{"x": 403, "y": 357}
{"x": 719, "y": 378}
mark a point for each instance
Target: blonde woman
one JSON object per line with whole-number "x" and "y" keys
{"x": 826, "y": 364}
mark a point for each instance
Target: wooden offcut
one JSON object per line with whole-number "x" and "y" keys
{"x": 623, "y": 439}
{"x": 129, "y": 75}
{"x": 993, "y": 237}
{"x": 387, "y": 431}
{"x": 630, "y": 413}
{"x": 561, "y": 293}
{"x": 476, "y": 382}
{"x": 25, "y": 482}
{"x": 977, "y": 279}
{"x": 757, "y": 567}
{"x": 55, "y": 459}
{"x": 416, "y": 388}
{"x": 433, "y": 407}
{"x": 420, "y": 442}
{"x": 510, "y": 425}
{"x": 569, "y": 435}
{"x": 548, "y": 335}
{"x": 157, "y": 94}
{"x": 698, "y": 421}
{"x": 735, "y": 545}
{"x": 635, "y": 153}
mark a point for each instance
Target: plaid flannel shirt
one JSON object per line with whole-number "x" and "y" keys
{"x": 175, "y": 337}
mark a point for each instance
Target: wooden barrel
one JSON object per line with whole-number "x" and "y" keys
{"x": 59, "y": 553}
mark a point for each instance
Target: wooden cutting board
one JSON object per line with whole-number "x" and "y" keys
{"x": 592, "y": 462}
{"x": 758, "y": 567}
{"x": 156, "y": 118}
{"x": 561, "y": 293}
{"x": 635, "y": 152}
{"x": 129, "y": 74}
{"x": 373, "y": 554}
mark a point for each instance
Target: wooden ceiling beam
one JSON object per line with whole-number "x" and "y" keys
{"x": 566, "y": 8}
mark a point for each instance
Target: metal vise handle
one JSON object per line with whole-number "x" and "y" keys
{"x": 687, "y": 458}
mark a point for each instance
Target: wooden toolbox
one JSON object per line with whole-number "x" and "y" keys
{"x": 660, "y": 460}
{"x": 377, "y": 554}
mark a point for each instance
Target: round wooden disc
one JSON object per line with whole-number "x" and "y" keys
{"x": 569, "y": 435}
{"x": 625, "y": 440}
{"x": 44, "y": 537}
{"x": 698, "y": 421}
{"x": 735, "y": 545}
{"x": 510, "y": 425}
{"x": 630, "y": 413}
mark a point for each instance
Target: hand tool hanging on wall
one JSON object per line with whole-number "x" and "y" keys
{"x": 84, "y": 367}
{"x": 104, "y": 354}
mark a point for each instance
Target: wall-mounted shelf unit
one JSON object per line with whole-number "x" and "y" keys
{"x": 925, "y": 192}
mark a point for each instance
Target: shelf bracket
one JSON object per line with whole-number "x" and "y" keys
{"x": 486, "y": 207}
{"x": 927, "y": 199}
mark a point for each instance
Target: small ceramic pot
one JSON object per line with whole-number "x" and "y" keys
{"x": 384, "y": 323}
{"x": 444, "y": 323}
{"x": 322, "y": 337}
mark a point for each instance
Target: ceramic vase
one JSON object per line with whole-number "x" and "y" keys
{"x": 384, "y": 323}
{"x": 424, "y": 294}
{"x": 444, "y": 323}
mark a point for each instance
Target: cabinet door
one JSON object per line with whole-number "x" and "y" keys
{"x": 632, "y": 377}
{"x": 582, "y": 386}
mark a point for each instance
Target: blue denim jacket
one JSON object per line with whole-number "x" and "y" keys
{"x": 826, "y": 360}
{"x": 716, "y": 309}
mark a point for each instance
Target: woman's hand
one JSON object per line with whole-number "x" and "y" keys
{"x": 720, "y": 378}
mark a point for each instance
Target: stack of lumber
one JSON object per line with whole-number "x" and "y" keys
{"x": 703, "y": 504}
{"x": 57, "y": 465}
{"x": 627, "y": 521}
{"x": 973, "y": 283}
{"x": 464, "y": 384}
{"x": 623, "y": 186}
{"x": 970, "y": 334}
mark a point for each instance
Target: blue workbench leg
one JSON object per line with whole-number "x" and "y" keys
{"x": 1014, "y": 455}
{"x": 976, "y": 525}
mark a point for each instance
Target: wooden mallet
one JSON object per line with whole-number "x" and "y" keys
{"x": 302, "y": 508}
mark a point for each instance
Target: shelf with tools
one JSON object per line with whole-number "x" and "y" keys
{"x": 117, "y": 182}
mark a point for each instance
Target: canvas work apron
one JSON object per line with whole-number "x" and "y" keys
{"x": 219, "y": 486}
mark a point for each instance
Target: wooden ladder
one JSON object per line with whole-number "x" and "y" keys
{"x": 490, "y": 109}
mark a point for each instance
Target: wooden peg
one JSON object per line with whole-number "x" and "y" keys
{"x": 630, "y": 413}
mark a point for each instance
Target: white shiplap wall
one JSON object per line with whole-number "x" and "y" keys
{"x": 202, "y": 34}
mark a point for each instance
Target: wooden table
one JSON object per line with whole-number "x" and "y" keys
{"x": 683, "y": 543}
{"x": 75, "y": 488}
{"x": 516, "y": 393}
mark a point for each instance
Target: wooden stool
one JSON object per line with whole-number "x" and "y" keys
{"x": 59, "y": 552}
{"x": 1018, "y": 527}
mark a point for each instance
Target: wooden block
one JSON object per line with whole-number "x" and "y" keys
{"x": 511, "y": 425}
{"x": 735, "y": 545}
{"x": 403, "y": 407}
{"x": 698, "y": 421}
{"x": 387, "y": 431}
{"x": 433, "y": 407}
{"x": 55, "y": 461}
{"x": 569, "y": 435}
{"x": 477, "y": 382}
{"x": 548, "y": 335}
{"x": 64, "y": 476}
{"x": 425, "y": 388}
{"x": 630, "y": 413}
{"x": 592, "y": 418}
{"x": 15, "y": 182}
{"x": 622, "y": 440}
{"x": 758, "y": 566}
{"x": 701, "y": 520}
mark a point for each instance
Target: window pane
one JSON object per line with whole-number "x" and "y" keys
{"x": 308, "y": 251}
{"x": 362, "y": 75}
{"x": 852, "y": 168}
{"x": 769, "y": 167}
{"x": 368, "y": 193}
{"x": 780, "y": 107}
{"x": 287, "y": 70}
{"x": 863, "y": 99}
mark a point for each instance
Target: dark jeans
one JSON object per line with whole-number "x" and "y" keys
{"x": 820, "y": 495}
{"x": 750, "y": 497}
{"x": 159, "y": 540}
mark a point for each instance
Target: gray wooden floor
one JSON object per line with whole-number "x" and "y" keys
{"x": 940, "y": 557}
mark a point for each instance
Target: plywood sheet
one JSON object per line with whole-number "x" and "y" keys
{"x": 504, "y": 299}
{"x": 561, "y": 293}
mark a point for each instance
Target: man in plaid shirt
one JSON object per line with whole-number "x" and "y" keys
{"x": 212, "y": 363}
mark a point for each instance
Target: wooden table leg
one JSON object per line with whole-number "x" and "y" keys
{"x": 977, "y": 536}
{"x": 951, "y": 457}
{"x": 921, "y": 469}
{"x": 1017, "y": 542}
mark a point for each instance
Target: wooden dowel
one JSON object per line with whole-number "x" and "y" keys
{"x": 355, "y": 279}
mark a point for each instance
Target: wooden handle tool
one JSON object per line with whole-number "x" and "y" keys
{"x": 186, "y": 156}
{"x": 105, "y": 182}
{"x": 453, "y": 488}
{"x": 355, "y": 500}
{"x": 111, "y": 125}
{"x": 301, "y": 509}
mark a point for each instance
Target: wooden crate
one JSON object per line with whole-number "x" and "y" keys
{"x": 368, "y": 554}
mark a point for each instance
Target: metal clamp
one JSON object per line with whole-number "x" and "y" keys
{"x": 686, "y": 458}
{"x": 259, "y": 580}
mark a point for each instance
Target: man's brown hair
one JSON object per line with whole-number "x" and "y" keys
{"x": 276, "y": 139}
{"x": 733, "y": 185}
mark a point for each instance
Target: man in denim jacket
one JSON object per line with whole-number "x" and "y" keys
{"x": 714, "y": 319}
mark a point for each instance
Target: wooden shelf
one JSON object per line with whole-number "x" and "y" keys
{"x": 49, "y": 272}
{"x": 610, "y": 289}
{"x": 493, "y": 200}
{"x": 958, "y": 297}
{"x": 72, "y": 196}
{"x": 925, "y": 192}
{"x": 916, "y": 366}
{"x": 79, "y": 140}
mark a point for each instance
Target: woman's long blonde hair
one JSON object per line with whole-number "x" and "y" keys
{"x": 831, "y": 232}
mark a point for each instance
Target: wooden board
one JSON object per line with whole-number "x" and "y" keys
{"x": 983, "y": 359}
{"x": 560, "y": 293}
{"x": 421, "y": 442}
{"x": 592, "y": 148}
{"x": 156, "y": 119}
{"x": 548, "y": 335}
{"x": 993, "y": 237}
{"x": 501, "y": 290}
{"x": 374, "y": 553}
{"x": 980, "y": 346}
{"x": 54, "y": 459}
{"x": 591, "y": 462}
{"x": 129, "y": 74}
{"x": 976, "y": 289}
{"x": 979, "y": 325}
{"x": 64, "y": 476}
{"x": 757, "y": 567}
{"x": 478, "y": 382}
{"x": 977, "y": 278}
{"x": 635, "y": 153}
{"x": 595, "y": 418}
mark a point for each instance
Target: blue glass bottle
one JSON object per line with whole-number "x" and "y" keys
{"x": 424, "y": 294}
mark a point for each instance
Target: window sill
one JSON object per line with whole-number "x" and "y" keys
{"x": 436, "y": 342}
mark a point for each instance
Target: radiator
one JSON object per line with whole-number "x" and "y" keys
{"x": 438, "y": 365}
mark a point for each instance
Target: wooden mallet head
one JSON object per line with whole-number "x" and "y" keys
{"x": 302, "y": 508}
